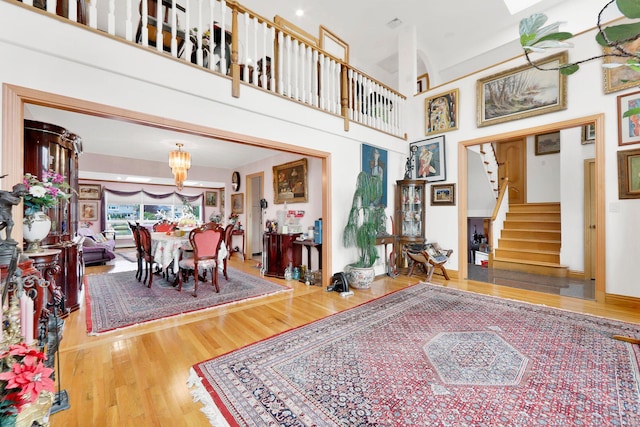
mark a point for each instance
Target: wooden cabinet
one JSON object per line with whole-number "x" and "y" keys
{"x": 48, "y": 147}
{"x": 281, "y": 252}
{"x": 410, "y": 212}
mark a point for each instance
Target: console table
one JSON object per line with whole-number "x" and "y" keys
{"x": 311, "y": 244}
{"x": 232, "y": 250}
{"x": 280, "y": 252}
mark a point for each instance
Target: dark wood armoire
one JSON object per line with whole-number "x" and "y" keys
{"x": 281, "y": 252}
{"x": 48, "y": 147}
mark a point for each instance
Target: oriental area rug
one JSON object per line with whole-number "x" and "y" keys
{"x": 430, "y": 356}
{"x": 118, "y": 300}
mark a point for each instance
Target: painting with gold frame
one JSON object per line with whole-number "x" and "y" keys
{"x": 629, "y": 174}
{"x": 441, "y": 112}
{"x": 619, "y": 78}
{"x": 290, "y": 182}
{"x": 522, "y": 92}
{"x": 237, "y": 203}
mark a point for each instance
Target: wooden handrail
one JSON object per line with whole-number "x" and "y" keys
{"x": 503, "y": 190}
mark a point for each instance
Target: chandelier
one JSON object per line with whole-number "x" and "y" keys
{"x": 179, "y": 162}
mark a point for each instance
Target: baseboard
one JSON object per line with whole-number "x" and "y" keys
{"x": 622, "y": 301}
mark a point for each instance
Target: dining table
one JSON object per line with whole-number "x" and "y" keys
{"x": 166, "y": 249}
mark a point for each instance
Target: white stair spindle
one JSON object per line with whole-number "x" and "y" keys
{"x": 280, "y": 62}
{"x": 174, "y": 29}
{"x": 223, "y": 38}
{"x": 159, "y": 22}
{"x": 144, "y": 21}
{"x": 111, "y": 18}
{"x": 51, "y": 6}
{"x": 212, "y": 45}
{"x": 128, "y": 24}
{"x": 199, "y": 55}
{"x": 271, "y": 76}
{"x": 187, "y": 25}
{"x": 296, "y": 69}
{"x": 245, "y": 50}
{"x": 28, "y": 2}
{"x": 254, "y": 33}
{"x": 73, "y": 11}
{"x": 264, "y": 78}
{"x": 93, "y": 14}
{"x": 314, "y": 78}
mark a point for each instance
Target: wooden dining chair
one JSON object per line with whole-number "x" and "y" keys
{"x": 164, "y": 226}
{"x": 206, "y": 241}
{"x": 228, "y": 235}
{"x": 146, "y": 255}
{"x": 136, "y": 240}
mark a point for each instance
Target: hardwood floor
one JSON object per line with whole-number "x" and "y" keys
{"x": 137, "y": 377}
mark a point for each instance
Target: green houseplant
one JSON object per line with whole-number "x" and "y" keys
{"x": 362, "y": 229}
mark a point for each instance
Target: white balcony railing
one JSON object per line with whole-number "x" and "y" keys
{"x": 230, "y": 40}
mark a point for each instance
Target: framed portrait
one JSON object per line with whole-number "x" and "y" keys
{"x": 374, "y": 162}
{"x": 441, "y": 112}
{"x": 443, "y": 195}
{"x": 211, "y": 198}
{"x": 589, "y": 134}
{"x": 547, "y": 143}
{"x": 629, "y": 174}
{"x": 237, "y": 203}
{"x": 290, "y": 182}
{"x": 88, "y": 211}
{"x": 423, "y": 83}
{"x": 89, "y": 191}
{"x": 628, "y": 127}
{"x": 522, "y": 92}
{"x": 429, "y": 159}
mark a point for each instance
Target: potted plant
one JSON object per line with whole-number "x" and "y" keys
{"x": 362, "y": 229}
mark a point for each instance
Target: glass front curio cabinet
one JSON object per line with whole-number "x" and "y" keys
{"x": 410, "y": 207}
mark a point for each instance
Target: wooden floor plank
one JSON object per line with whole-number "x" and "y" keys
{"x": 137, "y": 376}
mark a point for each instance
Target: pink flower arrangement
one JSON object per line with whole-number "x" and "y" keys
{"x": 23, "y": 377}
{"x": 46, "y": 193}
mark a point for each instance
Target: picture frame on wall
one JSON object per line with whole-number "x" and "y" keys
{"x": 89, "y": 191}
{"x": 443, "y": 194}
{"x": 628, "y": 127}
{"x": 237, "y": 203}
{"x": 290, "y": 182}
{"x": 629, "y": 174}
{"x": 441, "y": 112}
{"x": 211, "y": 198}
{"x": 522, "y": 92}
{"x": 615, "y": 79}
{"x": 374, "y": 162}
{"x": 547, "y": 143}
{"x": 589, "y": 134}
{"x": 430, "y": 161}
{"x": 88, "y": 211}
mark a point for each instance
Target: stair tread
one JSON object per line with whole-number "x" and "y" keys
{"x": 520, "y": 261}
{"x": 516, "y": 239}
{"x": 534, "y": 251}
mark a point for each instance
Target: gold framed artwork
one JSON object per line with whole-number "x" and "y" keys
{"x": 290, "y": 182}
{"x": 629, "y": 174}
{"x": 589, "y": 134}
{"x": 211, "y": 198}
{"x": 443, "y": 194}
{"x": 89, "y": 191}
{"x": 522, "y": 92}
{"x": 237, "y": 203}
{"x": 619, "y": 78}
{"x": 628, "y": 127}
{"x": 88, "y": 211}
{"x": 441, "y": 112}
{"x": 547, "y": 143}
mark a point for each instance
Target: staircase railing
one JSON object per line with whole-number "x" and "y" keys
{"x": 499, "y": 216}
{"x": 232, "y": 41}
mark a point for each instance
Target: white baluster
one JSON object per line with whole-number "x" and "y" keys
{"x": 296, "y": 66}
{"x": 93, "y": 14}
{"x": 111, "y": 18}
{"x": 305, "y": 73}
{"x": 143, "y": 23}
{"x": 264, "y": 77}
{"x": 28, "y": 2}
{"x": 187, "y": 25}
{"x": 254, "y": 34}
{"x": 245, "y": 50}
{"x": 314, "y": 77}
{"x": 350, "y": 87}
{"x": 73, "y": 11}
{"x": 223, "y": 37}
{"x": 174, "y": 29}
{"x": 288, "y": 73}
{"x": 199, "y": 35}
{"x": 51, "y": 6}
{"x": 159, "y": 24}
{"x": 212, "y": 64}
{"x": 280, "y": 62}
{"x": 322, "y": 85}
{"x": 128, "y": 25}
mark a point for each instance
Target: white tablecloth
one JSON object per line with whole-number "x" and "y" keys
{"x": 166, "y": 249}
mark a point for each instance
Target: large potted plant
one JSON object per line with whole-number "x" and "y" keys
{"x": 362, "y": 229}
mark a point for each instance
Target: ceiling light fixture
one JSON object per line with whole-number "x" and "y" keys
{"x": 179, "y": 162}
{"x": 299, "y": 12}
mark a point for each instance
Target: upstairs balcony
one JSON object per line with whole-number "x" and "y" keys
{"x": 250, "y": 51}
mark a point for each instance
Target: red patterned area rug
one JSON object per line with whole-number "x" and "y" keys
{"x": 118, "y": 300}
{"x": 430, "y": 356}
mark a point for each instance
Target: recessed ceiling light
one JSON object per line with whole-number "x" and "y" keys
{"x": 299, "y": 12}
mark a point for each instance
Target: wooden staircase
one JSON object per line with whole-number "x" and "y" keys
{"x": 530, "y": 240}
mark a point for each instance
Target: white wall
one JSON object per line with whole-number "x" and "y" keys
{"x": 543, "y": 175}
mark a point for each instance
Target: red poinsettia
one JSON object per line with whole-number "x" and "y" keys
{"x": 24, "y": 376}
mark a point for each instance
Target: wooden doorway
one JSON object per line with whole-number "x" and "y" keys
{"x": 589, "y": 219}
{"x": 255, "y": 192}
{"x": 512, "y": 158}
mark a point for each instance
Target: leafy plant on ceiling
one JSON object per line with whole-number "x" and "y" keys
{"x": 536, "y": 38}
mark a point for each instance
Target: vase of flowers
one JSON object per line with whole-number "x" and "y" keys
{"x": 41, "y": 196}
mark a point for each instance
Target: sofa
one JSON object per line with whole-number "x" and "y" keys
{"x": 97, "y": 249}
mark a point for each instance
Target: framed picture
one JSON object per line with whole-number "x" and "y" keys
{"x": 237, "y": 203}
{"x": 222, "y": 200}
{"x": 89, "y": 191}
{"x": 589, "y": 134}
{"x": 290, "y": 182}
{"x": 443, "y": 195}
{"x": 374, "y": 162}
{"x": 429, "y": 159}
{"x": 620, "y": 78}
{"x": 88, "y": 211}
{"x": 211, "y": 198}
{"x": 629, "y": 174}
{"x": 522, "y": 92}
{"x": 441, "y": 112}
{"x": 547, "y": 143}
{"x": 628, "y": 127}
{"x": 423, "y": 83}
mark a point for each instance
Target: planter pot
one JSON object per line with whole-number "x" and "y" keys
{"x": 36, "y": 227}
{"x": 360, "y": 278}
